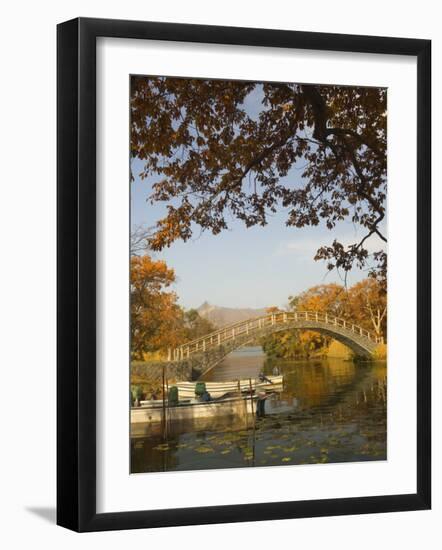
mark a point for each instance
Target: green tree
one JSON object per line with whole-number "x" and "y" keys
{"x": 196, "y": 326}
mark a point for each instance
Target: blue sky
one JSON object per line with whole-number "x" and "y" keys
{"x": 254, "y": 267}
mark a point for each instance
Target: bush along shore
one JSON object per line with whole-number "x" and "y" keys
{"x": 146, "y": 377}
{"x": 334, "y": 350}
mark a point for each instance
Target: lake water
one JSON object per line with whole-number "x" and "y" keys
{"x": 329, "y": 411}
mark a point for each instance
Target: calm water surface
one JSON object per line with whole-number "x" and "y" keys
{"x": 329, "y": 411}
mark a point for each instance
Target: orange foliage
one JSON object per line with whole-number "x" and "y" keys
{"x": 365, "y": 303}
{"x": 368, "y": 303}
{"x": 156, "y": 318}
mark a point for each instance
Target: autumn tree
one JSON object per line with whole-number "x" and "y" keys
{"x": 368, "y": 305}
{"x": 327, "y": 298}
{"x": 316, "y": 151}
{"x": 364, "y": 303}
{"x": 156, "y": 318}
{"x": 272, "y": 309}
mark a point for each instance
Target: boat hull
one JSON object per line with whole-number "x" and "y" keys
{"x": 186, "y": 390}
{"x": 190, "y": 411}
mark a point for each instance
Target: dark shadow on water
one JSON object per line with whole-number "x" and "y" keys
{"x": 46, "y": 513}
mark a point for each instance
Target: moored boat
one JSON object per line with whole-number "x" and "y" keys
{"x": 186, "y": 390}
{"x": 153, "y": 412}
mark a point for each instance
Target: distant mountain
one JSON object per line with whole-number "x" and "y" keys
{"x": 221, "y": 316}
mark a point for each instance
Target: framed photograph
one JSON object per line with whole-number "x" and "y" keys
{"x": 243, "y": 274}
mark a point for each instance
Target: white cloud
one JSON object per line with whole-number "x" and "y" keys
{"x": 308, "y": 247}
{"x": 300, "y": 247}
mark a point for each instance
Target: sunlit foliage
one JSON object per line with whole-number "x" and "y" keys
{"x": 365, "y": 303}
{"x": 157, "y": 321}
{"x": 155, "y": 314}
{"x": 317, "y": 152}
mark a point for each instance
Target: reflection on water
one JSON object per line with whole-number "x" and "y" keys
{"x": 329, "y": 411}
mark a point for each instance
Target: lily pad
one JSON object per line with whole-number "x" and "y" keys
{"x": 162, "y": 447}
{"x": 203, "y": 449}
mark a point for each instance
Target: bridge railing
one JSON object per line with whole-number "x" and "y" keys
{"x": 254, "y": 325}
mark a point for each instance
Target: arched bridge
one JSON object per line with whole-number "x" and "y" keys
{"x": 212, "y": 348}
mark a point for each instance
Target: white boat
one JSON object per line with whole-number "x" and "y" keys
{"x": 186, "y": 390}
{"x": 153, "y": 412}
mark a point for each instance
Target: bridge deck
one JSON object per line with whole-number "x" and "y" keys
{"x": 325, "y": 322}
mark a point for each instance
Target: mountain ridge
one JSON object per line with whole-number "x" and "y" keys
{"x": 220, "y": 316}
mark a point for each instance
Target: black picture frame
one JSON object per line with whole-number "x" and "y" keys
{"x": 76, "y": 272}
